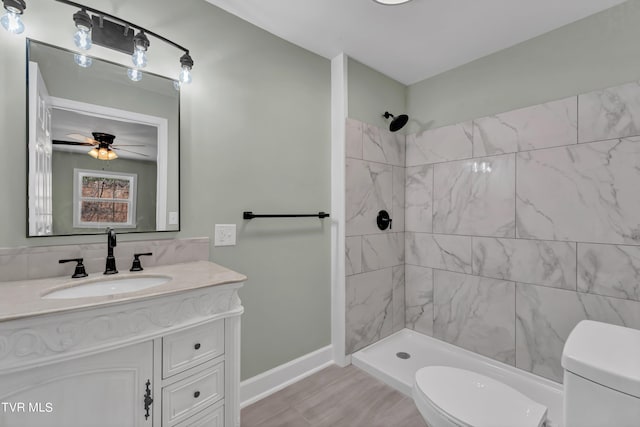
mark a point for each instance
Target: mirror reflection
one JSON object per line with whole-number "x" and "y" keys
{"x": 103, "y": 150}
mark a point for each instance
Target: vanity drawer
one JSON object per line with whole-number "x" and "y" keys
{"x": 185, "y": 398}
{"x": 185, "y": 349}
{"x": 210, "y": 417}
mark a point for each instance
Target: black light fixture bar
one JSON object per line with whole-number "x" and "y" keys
{"x": 122, "y": 21}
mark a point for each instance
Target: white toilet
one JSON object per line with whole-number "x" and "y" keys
{"x": 601, "y": 376}
{"x": 601, "y": 387}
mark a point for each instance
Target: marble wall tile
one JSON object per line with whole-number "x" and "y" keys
{"x": 353, "y": 139}
{"x": 441, "y": 251}
{"x": 531, "y": 261}
{"x": 398, "y": 297}
{"x": 175, "y": 251}
{"x": 42, "y": 261}
{"x": 369, "y": 316}
{"x": 609, "y": 270}
{"x": 609, "y": 113}
{"x": 475, "y": 197}
{"x": 583, "y": 193}
{"x": 398, "y": 209}
{"x": 382, "y": 146}
{"x": 382, "y": 251}
{"x": 440, "y": 145}
{"x": 475, "y": 313}
{"x": 419, "y": 199}
{"x": 419, "y": 299}
{"x": 544, "y": 125}
{"x": 353, "y": 261}
{"x": 545, "y": 317}
{"x": 369, "y": 190}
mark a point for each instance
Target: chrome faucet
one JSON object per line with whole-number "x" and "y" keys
{"x": 111, "y": 260}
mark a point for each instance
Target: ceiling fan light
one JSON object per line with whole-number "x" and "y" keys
{"x": 111, "y": 155}
{"x": 93, "y": 153}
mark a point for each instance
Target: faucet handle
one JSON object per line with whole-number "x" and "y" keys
{"x": 137, "y": 266}
{"x": 79, "y": 271}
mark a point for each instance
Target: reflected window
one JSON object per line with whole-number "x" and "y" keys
{"x": 104, "y": 199}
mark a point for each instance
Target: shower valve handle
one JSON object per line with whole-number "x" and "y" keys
{"x": 383, "y": 220}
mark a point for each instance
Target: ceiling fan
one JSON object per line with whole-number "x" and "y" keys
{"x": 102, "y": 143}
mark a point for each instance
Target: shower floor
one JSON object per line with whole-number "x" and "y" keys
{"x": 381, "y": 361}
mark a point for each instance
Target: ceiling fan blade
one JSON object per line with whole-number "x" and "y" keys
{"x": 128, "y": 145}
{"x": 83, "y": 138}
{"x": 129, "y": 151}
{"x": 60, "y": 142}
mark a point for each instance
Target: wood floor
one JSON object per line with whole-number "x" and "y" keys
{"x": 334, "y": 397}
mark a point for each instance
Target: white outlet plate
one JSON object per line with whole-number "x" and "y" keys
{"x": 173, "y": 218}
{"x": 225, "y": 235}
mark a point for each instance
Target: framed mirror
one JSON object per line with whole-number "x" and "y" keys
{"x": 103, "y": 150}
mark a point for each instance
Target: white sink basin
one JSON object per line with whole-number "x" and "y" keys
{"x": 110, "y": 286}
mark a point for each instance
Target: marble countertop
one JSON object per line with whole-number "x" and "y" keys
{"x": 23, "y": 298}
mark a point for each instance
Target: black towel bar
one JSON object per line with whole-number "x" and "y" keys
{"x": 251, "y": 215}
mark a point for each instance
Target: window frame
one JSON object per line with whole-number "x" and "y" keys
{"x": 79, "y": 174}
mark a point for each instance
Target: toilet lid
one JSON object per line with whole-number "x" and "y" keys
{"x": 474, "y": 400}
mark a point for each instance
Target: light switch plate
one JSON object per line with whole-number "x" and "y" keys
{"x": 225, "y": 235}
{"x": 173, "y": 218}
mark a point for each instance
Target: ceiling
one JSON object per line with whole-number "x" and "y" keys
{"x": 416, "y": 40}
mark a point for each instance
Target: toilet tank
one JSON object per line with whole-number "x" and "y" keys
{"x": 601, "y": 376}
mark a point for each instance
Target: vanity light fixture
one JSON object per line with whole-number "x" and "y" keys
{"x": 11, "y": 20}
{"x": 82, "y": 37}
{"x": 83, "y": 60}
{"x": 141, "y": 44}
{"x": 186, "y": 63}
{"x": 134, "y": 74}
{"x": 100, "y": 28}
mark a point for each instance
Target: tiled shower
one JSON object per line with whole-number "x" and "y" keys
{"x": 515, "y": 227}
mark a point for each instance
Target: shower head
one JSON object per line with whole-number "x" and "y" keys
{"x": 397, "y": 122}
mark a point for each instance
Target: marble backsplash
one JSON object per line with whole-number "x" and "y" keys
{"x": 521, "y": 224}
{"x": 39, "y": 262}
{"x": 375, "y": 274}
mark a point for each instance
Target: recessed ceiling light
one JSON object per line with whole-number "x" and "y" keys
{"x": 391, "y": 2}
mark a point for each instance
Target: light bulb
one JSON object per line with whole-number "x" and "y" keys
{"x": 82, "y": 60}
{"x": 93, "y": 153}
{"x": 185, "y": 75}
{"x": 134, "y": 75}
{"x": 12, "y": 22}
{"x": 82, "y": 39}
{"x": 139, "y": 58}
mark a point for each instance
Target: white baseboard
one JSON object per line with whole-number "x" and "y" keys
{"x": 267, "y": 383}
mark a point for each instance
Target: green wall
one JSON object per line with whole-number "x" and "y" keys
{"x": 599, "y": 51}
{"x": 62, "y": 165}
{"x": 255, "y": 136}
{"x": 371, "y": 93}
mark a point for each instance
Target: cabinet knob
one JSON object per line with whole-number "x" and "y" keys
{"x": 196, "y": 394}
{"x": 197, "y": 346}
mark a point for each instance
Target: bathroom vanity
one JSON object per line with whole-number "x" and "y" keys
{"x": 167, "y": 355}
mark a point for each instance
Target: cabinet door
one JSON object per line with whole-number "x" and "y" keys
{"x": 105, "y": 390}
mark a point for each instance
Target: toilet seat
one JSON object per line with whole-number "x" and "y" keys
{"x": 448, "y": 396}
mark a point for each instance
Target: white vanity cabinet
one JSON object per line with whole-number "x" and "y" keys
{"x": 102, "y": 390}
{"x": 90, "y": 367}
